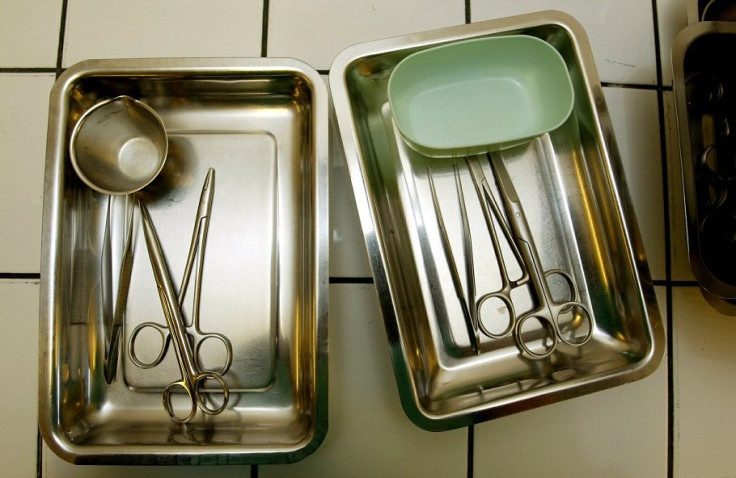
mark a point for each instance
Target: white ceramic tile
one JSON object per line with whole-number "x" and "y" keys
{"x": 139, "y": 28}
{"x": 369, "y": 435}
{"x": 54, "y": 467}
{"x": 620, "y": 32}
{"x": 29, "y": 33}
{"x": 635, "y": 119}
{"x": 19, "y": 356}
{"x": 679, "y": 262}
{"x": 672, "y": 16}
{"x": 318, "y": 30}
{"x": 620, "y": 432}
{"x": 704, "y": 364}
{"x": 23, "y": 115}
{"x": 348, "y": 256}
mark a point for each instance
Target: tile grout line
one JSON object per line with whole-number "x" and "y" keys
{"x": 20, "y": 275}
{"x": 6, "y": 70}
{"x": 264, "y": 29}
{"x": 636, "y": 86}
{"x": 667, "y": 241}
{"x": 670, "y": 385}
{"x": 62, "y": 37}
{"x": 39, "y": 447}
{"x": 471, "y": 447}
{"x": 684, "y": 283}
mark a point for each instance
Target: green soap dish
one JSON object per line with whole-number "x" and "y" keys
{"x": 481, "y": 95}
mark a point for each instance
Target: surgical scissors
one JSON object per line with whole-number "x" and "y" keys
{"x": 568, "y": 321}
{"x": 197, "y": 336}
{"x": 193, "y": 381}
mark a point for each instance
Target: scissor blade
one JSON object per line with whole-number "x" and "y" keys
{"x": 505, "y": 184}
{"x": 490, "y": 207}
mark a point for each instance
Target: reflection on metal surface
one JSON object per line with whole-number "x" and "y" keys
{"x": 578, "y": 212}
{"x": 262, "y": 124}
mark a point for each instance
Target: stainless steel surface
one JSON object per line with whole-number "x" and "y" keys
{"x": 579, "y": 213}
{"x": 704, "y": 84}
{"x": 118, "y": 146}
{"x": 196, "y": 336}
{"x": 193, "y": 380}
{"x": 262, "y": 124}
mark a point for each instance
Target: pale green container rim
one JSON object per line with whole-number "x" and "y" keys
{"x": 460, "y": 150}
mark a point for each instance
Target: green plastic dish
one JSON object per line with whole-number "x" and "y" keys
{"x": 481, "y": 95}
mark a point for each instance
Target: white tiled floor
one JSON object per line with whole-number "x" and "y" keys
{"x": 704, "y": 387}
{"x": 622, "y": 432}
{"x": 620, "y": 32}
{"x": 19, "y": 356}
{"x": 583, "y": 436}
{"x": 24, "y": 103}
{"x": 318, "y": 30}
{"x": 30, "y": 33}
{"x": 137, "y": 28}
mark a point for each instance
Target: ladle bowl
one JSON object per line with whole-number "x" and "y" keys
{"x": 118, "y": 146}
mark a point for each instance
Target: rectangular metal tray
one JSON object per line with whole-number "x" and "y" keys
{"x": 703, "y": 81}
{"x": 262, "y": 125}
{"x": 572, "y": 185}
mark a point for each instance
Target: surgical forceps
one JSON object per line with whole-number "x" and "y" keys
{"x": 193, "y": 381}
{"x": 197, "y": 336}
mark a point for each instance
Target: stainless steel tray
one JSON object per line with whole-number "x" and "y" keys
{"x": 262, "y": 124}
{"x": 571, "y": 183}
{"x": 698, "y": 66}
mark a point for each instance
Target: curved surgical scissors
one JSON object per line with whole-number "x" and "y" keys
{"x": 193, "y": 381}
{"x": 196, "y": 337}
